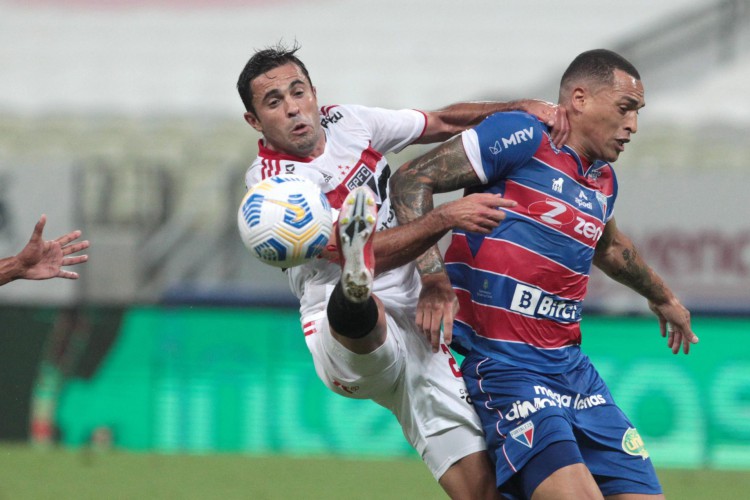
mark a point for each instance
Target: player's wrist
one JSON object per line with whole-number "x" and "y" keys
{"x": 434, "y": 275}
{"x": 664, "y": 299}
{"x": 439, "y": 220}
{"x": 13, "y": 268}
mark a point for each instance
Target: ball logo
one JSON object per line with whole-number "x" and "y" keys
{"x": 251, "y": 209}
{"x": 285, "y": 220}
{"x": 297, "y": 210}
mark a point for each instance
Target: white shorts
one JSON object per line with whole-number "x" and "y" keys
{"x": 424, "y": 390}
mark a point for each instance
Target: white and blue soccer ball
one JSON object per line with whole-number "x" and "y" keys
{"x": 285, "y": 220}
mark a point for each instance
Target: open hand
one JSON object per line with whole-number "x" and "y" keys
{"x": 41, "y": 260}
{"x": 437, "y": 307}
{"x": 552, "y": 115}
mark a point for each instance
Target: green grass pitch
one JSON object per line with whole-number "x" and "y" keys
{"x": 27, "y": 473}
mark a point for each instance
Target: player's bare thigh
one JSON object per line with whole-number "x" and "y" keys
{"x": 634, "y": 496}
{"x": 471, "y": 478}
{"x": 576, "y": 482}
{"x": 572, "y": 482}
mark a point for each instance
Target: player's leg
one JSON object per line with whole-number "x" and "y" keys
{"x": 610, "y": 444}
{"x": 471, "y": 478}
{"x": 529, "y": 435}
{"x": 634, "y": 496}
{"x": 438, "y": 418}
{"x": 457, "y": 456}
{"x": 573, "y": 482}
{"x": 356, "y": 317}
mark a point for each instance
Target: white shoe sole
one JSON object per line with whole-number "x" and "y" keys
{"x": 356, "y": 224}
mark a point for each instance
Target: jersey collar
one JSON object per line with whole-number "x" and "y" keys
{"x": 270, "y": 154}
{"x": 584, "y": 166}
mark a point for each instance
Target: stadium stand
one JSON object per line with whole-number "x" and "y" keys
{"x": 140, "y": 99}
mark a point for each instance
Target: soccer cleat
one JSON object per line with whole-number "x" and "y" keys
{"x": 356, "y": 227}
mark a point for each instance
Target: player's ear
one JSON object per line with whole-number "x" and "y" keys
{"x": 253, "y": 121}
{"x": 578, "y": 98}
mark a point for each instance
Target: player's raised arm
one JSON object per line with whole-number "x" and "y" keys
{"x": 447, "y": 122}
{"x": 617, "y": 256}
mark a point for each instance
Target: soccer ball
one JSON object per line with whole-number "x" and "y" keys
{"x": 285, "y": 220}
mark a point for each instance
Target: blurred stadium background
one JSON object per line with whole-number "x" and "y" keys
{"x": 179, "y": 360}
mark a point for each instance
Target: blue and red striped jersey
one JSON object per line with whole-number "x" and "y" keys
{"x": 521, "y": 288}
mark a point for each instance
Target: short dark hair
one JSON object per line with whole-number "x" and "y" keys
{"x": 263, "y": 61}
{"x": 597, "y": 65}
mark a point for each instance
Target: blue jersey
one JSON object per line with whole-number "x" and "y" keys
{"x": 521, "y": 287}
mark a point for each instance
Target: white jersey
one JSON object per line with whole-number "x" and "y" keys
{"x": 425, "y": 391}
{"x": 357, "y": 138}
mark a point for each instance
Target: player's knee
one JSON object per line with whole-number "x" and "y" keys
{"x": 350, "y": 319}
{"x": 471, "y": 478}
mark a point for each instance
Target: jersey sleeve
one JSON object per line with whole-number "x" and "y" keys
{"x": 610, "y": 212}
{"x": 502, "y": 142}
{"x": 253, "y": 175}
{"x": 391, "y": 130}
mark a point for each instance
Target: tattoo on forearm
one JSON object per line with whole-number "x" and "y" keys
{"x": 430, "y": 262}
{"x": 443, "y": 169}
{"x": 636, "y": 274}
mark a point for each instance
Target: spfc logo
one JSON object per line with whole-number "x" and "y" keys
{"x": 360, "y": 178}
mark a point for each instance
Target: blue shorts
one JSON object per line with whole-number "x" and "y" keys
{"x": 523, "y": 412}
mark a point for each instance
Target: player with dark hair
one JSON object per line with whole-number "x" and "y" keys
{"x": 44, "y": 259}
{"x": 359, "y": 322}
{"x": 263, "y": 61}
{"x": 552, "y": 427}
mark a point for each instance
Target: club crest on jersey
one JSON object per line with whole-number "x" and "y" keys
{"x": 524, "y": 434}
{"x": 359, "y": 178}
{"x": 602, "y": 200}
{"x": 557, "y": 185}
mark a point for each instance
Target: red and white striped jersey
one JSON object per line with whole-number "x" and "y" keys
{"x": 357, "y": 138}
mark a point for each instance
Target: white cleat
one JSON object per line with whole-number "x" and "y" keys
{"x": 356, "y": 229}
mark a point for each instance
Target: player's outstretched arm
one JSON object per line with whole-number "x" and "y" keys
{"x": 618, "y": 258}
{"x": 445, "y": 168}
{"x": 402, "y": 244}
{"x": 40, "y": 259}
{"x": 447, "y": 122}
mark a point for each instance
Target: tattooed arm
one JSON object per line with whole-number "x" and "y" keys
{"x": 421, "y": 225}
{"x": 617, "y": 256}
{"x": 445, "y": 168}
{"x": 405, "y": 243}
{"x": 447, "y": 122}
